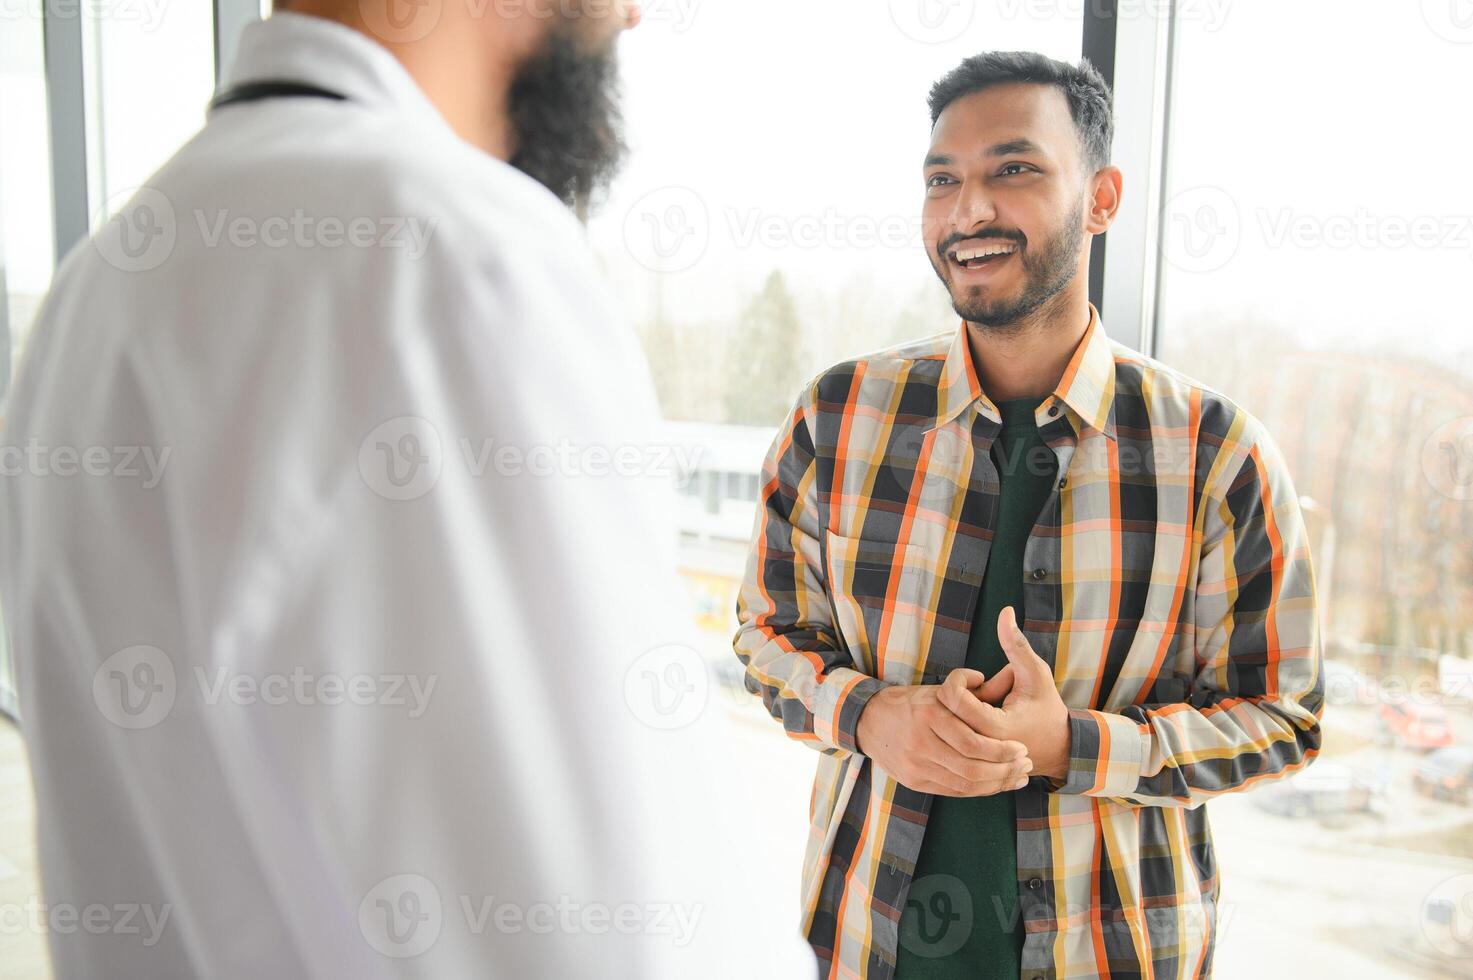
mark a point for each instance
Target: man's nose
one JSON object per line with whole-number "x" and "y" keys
{"x": 974, "y": 206}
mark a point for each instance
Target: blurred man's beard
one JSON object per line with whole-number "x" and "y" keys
{"x": 1047, "y": 269}
{"x": 565, "y": 115}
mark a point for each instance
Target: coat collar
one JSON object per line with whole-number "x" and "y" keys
{"x": 330, "y": 55}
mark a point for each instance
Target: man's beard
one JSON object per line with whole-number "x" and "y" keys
{"x": 1046, "y": 271}
{"x": 564, "y": 106}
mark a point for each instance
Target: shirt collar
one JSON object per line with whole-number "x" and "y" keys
{"x": 1087, "y": 386}
{"x": 330, "y": 55}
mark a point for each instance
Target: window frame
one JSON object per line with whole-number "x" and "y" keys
{"x": 1135, "y": 55}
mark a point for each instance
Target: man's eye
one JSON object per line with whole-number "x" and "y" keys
{"x": 1013, "y": 169}
{"x": 939, "y": 180}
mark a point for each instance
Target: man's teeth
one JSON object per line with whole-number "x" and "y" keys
{"x": 965, "y": 255}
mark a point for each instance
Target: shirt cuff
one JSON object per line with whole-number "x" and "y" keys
{"x": 1104, "y": 755}
{"x": 855, "y": 689}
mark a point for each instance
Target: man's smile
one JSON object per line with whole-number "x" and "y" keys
{"x": 977, "y": 259}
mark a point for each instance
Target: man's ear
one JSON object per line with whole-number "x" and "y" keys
{"x": 1104, "y": 200}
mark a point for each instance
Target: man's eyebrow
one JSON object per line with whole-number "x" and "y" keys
{"x": 1010, "y": 148}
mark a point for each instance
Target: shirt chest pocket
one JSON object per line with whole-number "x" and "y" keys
{"x": 883, "y": 597}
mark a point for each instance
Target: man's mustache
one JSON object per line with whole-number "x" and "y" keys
{"x": 947, "y": 244}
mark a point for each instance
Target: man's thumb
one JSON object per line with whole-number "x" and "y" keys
{"x": 1024, "y": 661}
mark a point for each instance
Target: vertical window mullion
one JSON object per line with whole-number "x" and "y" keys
{"x": 66, "y": 104}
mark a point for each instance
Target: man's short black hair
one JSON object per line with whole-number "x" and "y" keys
{"x": 1082, "y": 85}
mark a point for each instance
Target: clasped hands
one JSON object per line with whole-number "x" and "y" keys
{"x": 972, "y": 735}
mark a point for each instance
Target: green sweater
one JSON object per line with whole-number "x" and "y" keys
{"x": 961, "y": 920}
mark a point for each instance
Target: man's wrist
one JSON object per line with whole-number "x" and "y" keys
{"x": 1056, "y": 764}
{"x": 851, "y": 710}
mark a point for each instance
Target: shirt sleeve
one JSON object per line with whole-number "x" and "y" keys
{"x": 786, "y": 638}
{"x": 1258, "y": 694}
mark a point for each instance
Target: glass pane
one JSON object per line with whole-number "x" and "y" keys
{"x": 152, "y": 71}
{"x": 25, "y": 176}
{"x": 767, "y": 226}
{"x": 26, "y": 247}
{"x": 776, "y": 195}
{"x": 25, "y": 272}
{"x": 1318, "y": 237}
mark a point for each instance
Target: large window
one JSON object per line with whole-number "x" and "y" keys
{"x": 1318, "y": 241}
{"x": 152, "y": 69}
{"x": 769, "y": 222}
{"x": 115, "y": 89}
{"x": 26, "y": 246}
{"x": 768, "y": 225}
{"x": 93, "y": 98}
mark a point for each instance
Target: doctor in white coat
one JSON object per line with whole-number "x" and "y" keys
{"x": 334, "y": 546}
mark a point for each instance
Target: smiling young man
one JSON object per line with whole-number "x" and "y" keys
{"x": 1035, "y": 597}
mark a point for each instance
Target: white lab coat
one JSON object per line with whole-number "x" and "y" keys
{"x": 323, "y": 596}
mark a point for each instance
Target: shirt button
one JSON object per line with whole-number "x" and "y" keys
{"x": 1039, "y": 574}
{"x": 1053, "y": 410}
{"x": 1035, "y": 883}
{"x": 1062, "y": 481}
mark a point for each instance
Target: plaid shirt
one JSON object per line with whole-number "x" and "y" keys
{"x": 1167, "y": 583}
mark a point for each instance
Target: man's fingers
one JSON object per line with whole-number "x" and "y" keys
{"x": 996, "y": 687}
{"x": 975, "y": 773}
{"x": 935, "y": 778}
{"x": 965, "y": 678}
{"x": 979, "y": 715}
{"x": 955, "y": 733}
{"x": 960, "y": 681}
{"x": 959, "y": 685}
